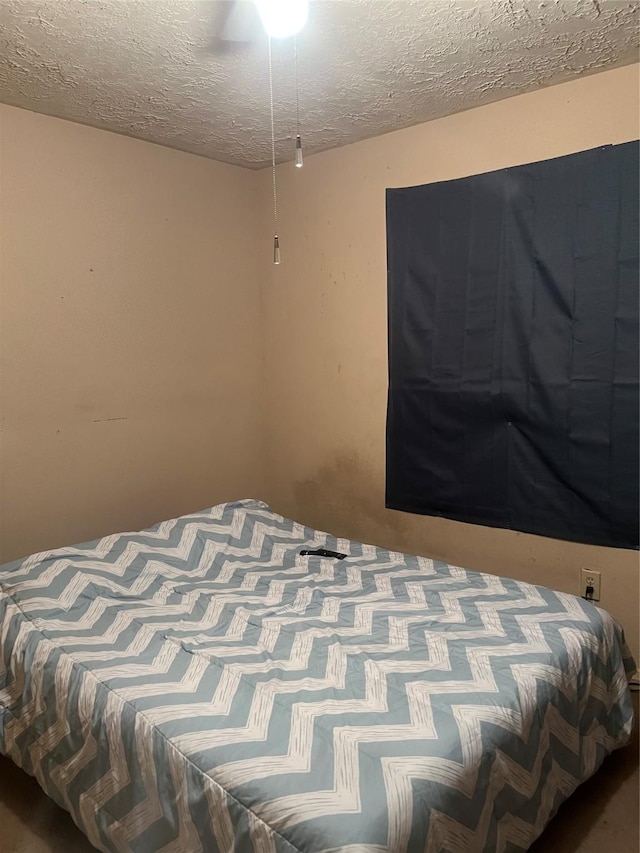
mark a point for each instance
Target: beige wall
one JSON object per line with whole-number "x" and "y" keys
{"x": 130, "y": 336}
{"x": 326, "y": 353}
{"x": 131, "y": 380}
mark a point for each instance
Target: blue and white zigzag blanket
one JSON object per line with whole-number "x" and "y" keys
{"x": 200, "y": 686}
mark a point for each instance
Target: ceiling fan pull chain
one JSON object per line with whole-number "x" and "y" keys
{"x": 276, "y": 242}
{"x": 299, "y": 158}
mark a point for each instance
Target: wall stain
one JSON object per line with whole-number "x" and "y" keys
{"x": 346, "y": 497}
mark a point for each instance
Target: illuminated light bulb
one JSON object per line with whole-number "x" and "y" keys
{"x": 276, "y": 250}
{"x": 283, "y": 18}
{"x": 299, "y": 158}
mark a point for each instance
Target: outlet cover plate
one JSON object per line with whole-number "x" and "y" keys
{"x": 589, "y": 577}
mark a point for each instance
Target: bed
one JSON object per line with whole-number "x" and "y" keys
{"x": 202, "y": 686}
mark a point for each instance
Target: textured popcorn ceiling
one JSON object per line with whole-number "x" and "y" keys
{"x": 155, "y": 69}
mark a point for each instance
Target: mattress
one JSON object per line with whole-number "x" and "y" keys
{"x": 202, "y": 686}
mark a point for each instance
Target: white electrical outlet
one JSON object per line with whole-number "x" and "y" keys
{"x": 590, "y": 578}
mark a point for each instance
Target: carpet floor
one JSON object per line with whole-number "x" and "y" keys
{"x": 601, "y": 815}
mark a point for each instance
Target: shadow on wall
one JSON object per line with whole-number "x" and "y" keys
{"x": 346, "y": 497}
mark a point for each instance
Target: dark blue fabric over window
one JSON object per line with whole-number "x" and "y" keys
{"x": 513, "y": 348}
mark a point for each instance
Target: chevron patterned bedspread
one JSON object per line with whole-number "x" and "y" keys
{"x": 200, "y": 686}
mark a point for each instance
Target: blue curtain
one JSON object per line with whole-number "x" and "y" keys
{"x": 513, "y": 348}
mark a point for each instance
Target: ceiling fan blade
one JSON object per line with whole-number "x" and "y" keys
{"x": 237, "y": 21}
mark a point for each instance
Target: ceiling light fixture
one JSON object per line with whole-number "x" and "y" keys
{"x": 283, "y": 18}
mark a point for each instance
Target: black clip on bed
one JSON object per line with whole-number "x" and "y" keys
{"x": 323, "y": 552}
